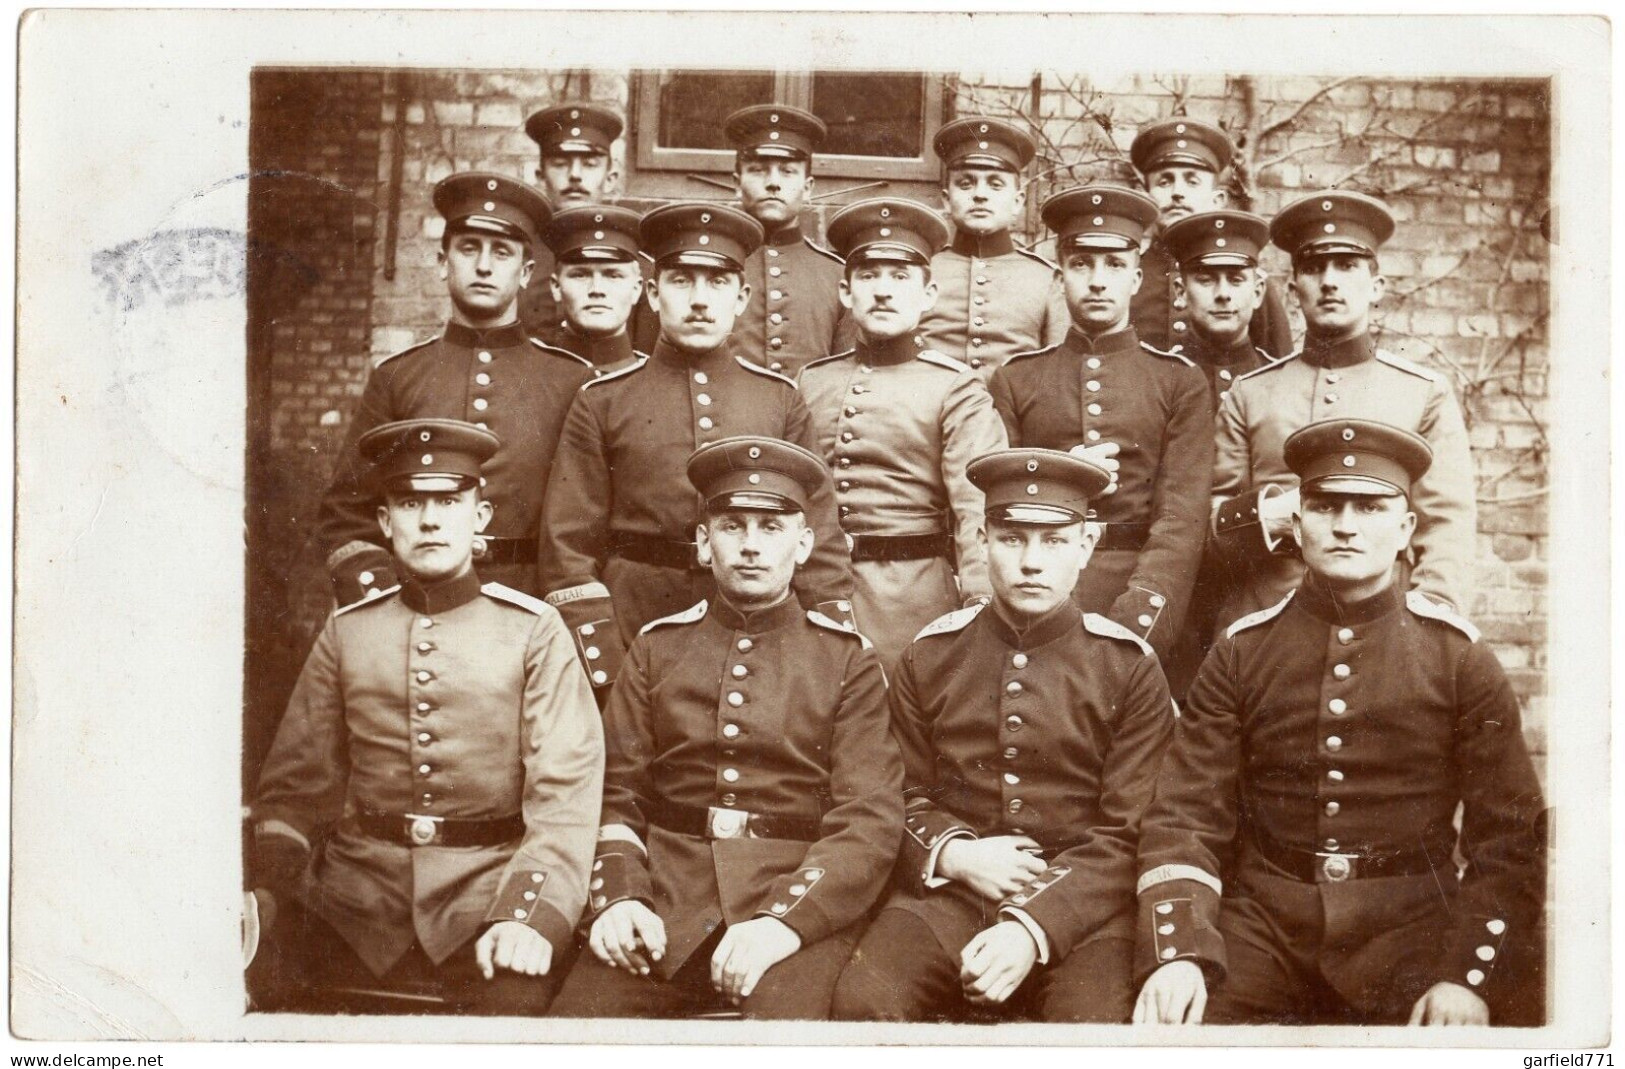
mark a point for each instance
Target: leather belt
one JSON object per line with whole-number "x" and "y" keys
{"x": 901, "y": 547}
{"x": 1123, "y": 535}
{"x": 416, "y": 829}
{"x": 660, "y": 552}
{"x": 719, "y": 823}
{"x": 507, "y": 551}
{"x": 1326, "y": 866}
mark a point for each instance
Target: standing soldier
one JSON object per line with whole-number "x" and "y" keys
{"x": 1182, "y": 161}
{"x": 577, "y": 168}
{"x": 898, "y": 423}
{"x": 482, "y": 369}
{"x": 1032, "y": 735}
{"x": 597, "y": 281}
{"x": 1104, "y": 390}
{"x": 427, "y": 812}
{"x": 753, "y": 795}
{"x": 1333, "y": 238}
{"x": 619, "y": 548}
{"x": 794, "y": 313}
{"x": 1327, "y": 744}
{"x": 995, "y": 299}
{"x": 1217, "y": 254}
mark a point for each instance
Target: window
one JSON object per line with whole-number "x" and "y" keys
{"x": 880, "y": 124}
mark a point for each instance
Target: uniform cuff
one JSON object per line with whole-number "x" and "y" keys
{"x": 1475, "y": 951}
{"x": 520, "y": 899}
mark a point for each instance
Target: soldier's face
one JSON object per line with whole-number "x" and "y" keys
{"x": 774, "y": 190}
{"x": 432, "y": 533}
{"x": 1337, "y": 293}
{"x": 983, "y": 200}
{"x": 1350, "y": 541}
{"x": 1034, "y": 568}
{"x": 887, "y": 298}
{"x": 575, "y": 178}
{"x": 753, "y": 555}
{"x": 484, "y": 274}
{"x": 1099, "y": 286}
{"x": 697, "y": 305}
{"x": 597, "y": 298}
{"x": 1222, "y": 299}
{"x": 1181, "y": 191}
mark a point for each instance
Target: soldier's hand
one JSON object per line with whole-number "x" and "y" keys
{"x": 1101, "y": 454}
{"x": 747, "y": 951}
{"x": 996, "y": 961}
{"x": 994, "y": 868}
{"x": 1276, "y": 513}
{"x": 623, "y": 932}
{"x": 1174, "y": 994}
{"x": 513, "y": 946}
{"x": 1448, "y": 1003}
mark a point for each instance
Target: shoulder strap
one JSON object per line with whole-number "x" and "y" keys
{"x": 830, "y": 359}
{"x": 820, "y": 250}
{"x": 383, "y": 595}
{"x": 554, "y": 350}
{"x": 1253, "y": 619}
{"x": 948, "y": 623}
{"x": 408, "y": 349}
{"x": 1043, "y": 260}
{"x": 618, "y": 373}
{"x": 942, "y": 360}
{"x": 516, "y": 597}
{"x": 1422, "y": 605}
{"x": 692, "y": 614}
{"x": 1405, "y": 365}
{"x": 1153, "y": 350}
{"x": 768, "y": 372}
{"x": 1106, "y": 627}
{"x": 833, "y": 625}
{"x": 1031, "y": 352}
{"x": 1274, "y": 363}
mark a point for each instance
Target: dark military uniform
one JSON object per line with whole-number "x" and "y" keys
{"x": 604, "y": 354}
{"x": 1333, "y": 743}
{"x": 1160, "y": 317}
{"x": 795, "y": 312}
{"x": 993, "y": 301}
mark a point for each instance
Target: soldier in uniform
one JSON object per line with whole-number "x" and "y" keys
{"x": 1031, "y": 735}
{"x": 1182, "y": 161}
{"x": 619, "y": 549}
{"x": 994, "y": 299}
{"x": 483, "y": 369}
{"x": 1328, "y": 741}
{"x": 753, "y": 795}
{"x": 597, "y": 281}
{"x": 1106, "y": 391}
{"x": 898, "y": 423}
{"x": 1333, "y": 237}
{"x": 575, "y": 139}
{"x": 1217, "y": 254}
{"x": 795, "y": 313}
{"x": 425, "y": 820}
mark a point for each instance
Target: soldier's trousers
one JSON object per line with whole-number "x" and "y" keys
{"x": 901, "y": 972}
{"x": 798, "y": 988}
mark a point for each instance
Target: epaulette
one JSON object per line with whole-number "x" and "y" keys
{"x": 1422, "y": 605}
{"x": 516, "y": 597}
{"x": 942, "y": 360}
{"x": 834, "y": 625}
{"x": 554, "y": 350}
{"x": 1032, "y": 352}
{"x": 620, "y": 372}
{"x": 769, "y": 372}
{"x": 947, "y": 623}
{"x": 820, "y": 250}
{"x": 830, "y": 359}
{"x": 1153, "y": 350}
{"x": 1105, "y": 627}
{"x": 1271, "y": 366}
{"x": 1405, "y": 365}
{"x": 408, "y": 349}
{"x": 1041, "y": 259}
{"x": 689, "y": 615}
{"x": 382, "y": 595}
{"x": 1253, "y": 619}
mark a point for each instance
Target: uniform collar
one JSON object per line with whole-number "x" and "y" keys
{"x": 1203, "y": 351}
{"x": 898, "y": 350}
{"x": 1345, "y": 353}
{"x": 985, "y": 246}
{"x": 442, "y": 596}
{"x": 1318, "y": 602}
{"x": 502, "y": 337}
{"x": 668, "y": 353}
{"x": 602, "y": 351}
{"x": 762, "y": 620}
{"x": 1042, "y": 631}
{"x": 1118, "y": 342}
{"x": 790, "y": 235}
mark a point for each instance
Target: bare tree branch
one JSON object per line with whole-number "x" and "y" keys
{"x": 1291, "y": 118}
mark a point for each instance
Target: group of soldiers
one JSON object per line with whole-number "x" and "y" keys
{"x": 905, "y": 630}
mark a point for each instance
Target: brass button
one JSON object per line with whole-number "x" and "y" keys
{"x": 1019, "y": 660}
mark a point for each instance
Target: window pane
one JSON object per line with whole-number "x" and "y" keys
{"x": 871, "y": 114}
{"x": 694, "y": 103}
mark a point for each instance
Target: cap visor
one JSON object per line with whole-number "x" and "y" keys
{"x": 488, "y": 224}
{"x": 978, "y": 160}
{"x": 1333, "y": 247}
{"x": 887, "y": 254}
{"x": 1353, "y": 484}
{"x": 778, "y": 152}
{"x": 597, "y": 254}
{"x": 752, "y": 501}
{"x": 1180, "y": 159}
{"x": 1036, "y": 515}
{"x": 1104, "y": 242}
{"x": 431, "y": 482}
{"x": 1224, "y": 259}
{"x": 576, "y": 148}
{"x": 695, "y": 258}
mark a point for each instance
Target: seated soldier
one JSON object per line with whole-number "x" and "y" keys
{"x": 1328, "y": 742}
{"x": 753, "y": 797}
{"x": 424, "y": 822}
{"x": 1032, "y": 734}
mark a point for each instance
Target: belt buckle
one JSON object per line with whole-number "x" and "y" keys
{"x": 422, "y": 830}
{"x": 721, "y": 823}
{"x": 1336, "y": 867}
